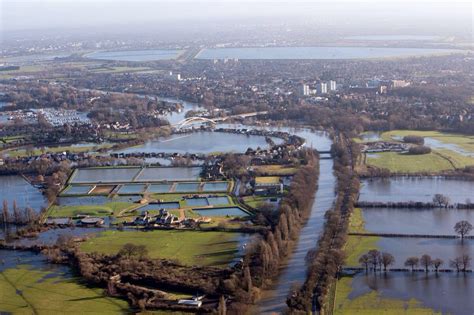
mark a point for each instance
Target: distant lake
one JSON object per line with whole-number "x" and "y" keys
{"x": 395, "y": 37}
{"x": 317, "y": 52}
{"x": 135, "y": 55}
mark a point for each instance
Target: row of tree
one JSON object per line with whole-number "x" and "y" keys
{"x": 326, "y": 260}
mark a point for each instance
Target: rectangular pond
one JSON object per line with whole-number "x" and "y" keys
{"x": 223, "y": 200}
{"x": 159, "y": 188}
{"x": 217, "y": 186}
{"x": 421, "y": 189}
{"x": 196, "y": 202}
{"x": 132, "y": 189}
{"x": 187, "y": 187}
{"x": 414, "y": 221}
{"x": 77, "y": 190}
{"x": 104, "y": 175}
{"x": 169, "y": 174}
{"x": 221, "y": 212}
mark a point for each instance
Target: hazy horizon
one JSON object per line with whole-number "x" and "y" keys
{"x": 114, "y": 17}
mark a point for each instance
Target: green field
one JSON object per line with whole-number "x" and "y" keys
{"x": 38, "y": 151}
{"x": 373, "y": 303}
{"x": 33, "y": 291}
{"x": 357, "y": 245}
{"x": 464, "y": 141}
{"x": 436, "y": 161}
{"x": 111, "y": 208}
{"x": 188, "y": 247}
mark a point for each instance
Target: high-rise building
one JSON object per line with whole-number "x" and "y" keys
{"x": 332, "y": 85}
{"x": 323, "y": 88}
{"x": 306, "y": 90}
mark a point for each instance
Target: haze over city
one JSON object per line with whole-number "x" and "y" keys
{"x": 236, "y": 157}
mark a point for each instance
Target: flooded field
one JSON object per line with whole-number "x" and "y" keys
{"x": 415, "y": 189}
{"x": 403, "y": 247}
{"x": 445, "y": 293}
{"x": 414, "y": 221}
{"x": 15, "y": 188}
{"x": 202, "y": 142}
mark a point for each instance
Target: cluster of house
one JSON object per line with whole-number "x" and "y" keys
{"x": 164, "y": 218}
{"x": 383, "y": 146}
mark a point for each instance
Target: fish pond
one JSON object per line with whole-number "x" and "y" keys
{"x": 221, "y": 212}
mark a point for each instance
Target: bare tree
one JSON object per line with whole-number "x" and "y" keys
{"x": 365, "y": 260}
{"x": 463, "y": 228}
{"x": 387, "y": 259}
{"x": 437, "y": 263}
{"x": 374, "y": 257}
{"x": 441, "y": 200}
{"x": 426, "y": 261}
{"x": 412, "y": 262}
{"x": 466, "y": 262}
{"x": 456, "y": 263}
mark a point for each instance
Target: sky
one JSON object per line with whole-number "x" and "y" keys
{"x": 17, "y": 15}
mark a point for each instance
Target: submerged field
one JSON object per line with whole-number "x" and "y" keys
{"x": 188, "y": 247}
{"x": 44, "y": 289}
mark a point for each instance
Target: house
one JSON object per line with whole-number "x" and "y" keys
{"x": 268, "y": 185}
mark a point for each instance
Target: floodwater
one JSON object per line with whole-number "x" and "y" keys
{"x": 446, "y": 249}
{"x": 436, "y": 144}
{"x": 415, "y": 189}
{"x": 135, "y": 55}
{"x": 295, "y": 270}
{"x": 202, "y": 142}
{"x": 15, "y": 188}
{"x": 414, "y": 221}
{"x": 444, "y": 293}
{"x": 317, "y": 52}
{"x": 219, "y": 186}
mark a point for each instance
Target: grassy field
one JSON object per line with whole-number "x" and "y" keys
{"x": 265, "y": 180}
{"x": 277, "y": 170}
{"x": 397, "y": 162}
{"x": 464, "y": 141}
{"x": 358, "y": 245}
{"x": 373, "y": 303}
{"x": 27, "y": 291}
{"x": 188, "y": 247}
{"x": 111, "y": 208}
{"x": 37, "y": 151}
{"x": 439, "y": 160}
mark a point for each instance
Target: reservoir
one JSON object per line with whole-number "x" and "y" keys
{"x": 330, "y": 53}
{"x": 135, "y": 55}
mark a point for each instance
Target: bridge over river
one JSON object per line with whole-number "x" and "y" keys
{"x": 197, "y": 119}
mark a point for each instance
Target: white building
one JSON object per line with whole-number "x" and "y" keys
{"x": 306, "y": 90}
{"x": 323, "y": 88}
{"x": 332, "y": 85}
